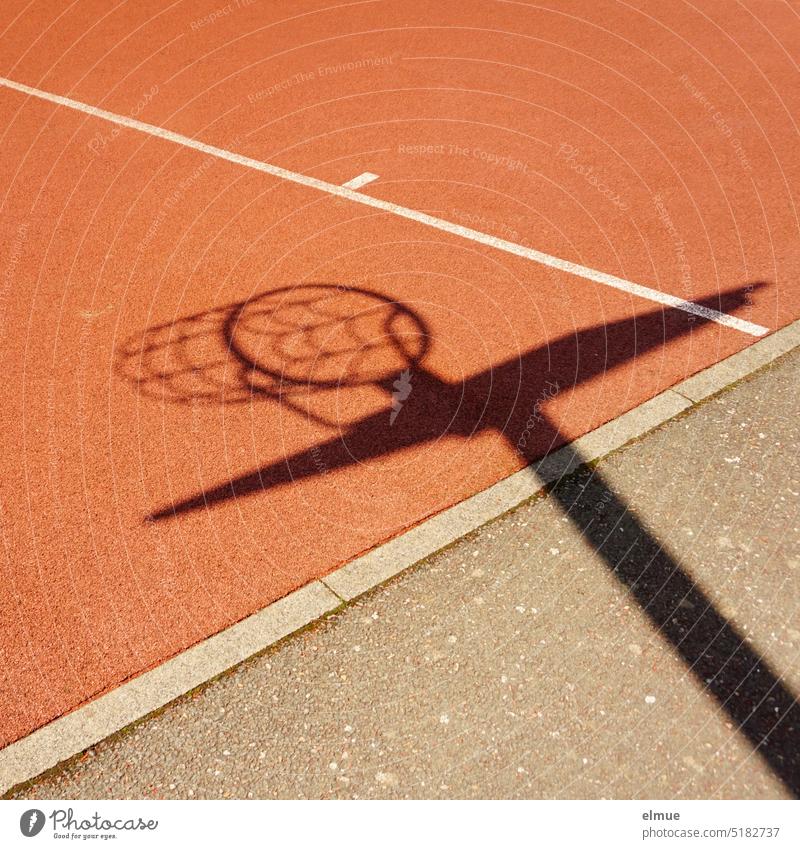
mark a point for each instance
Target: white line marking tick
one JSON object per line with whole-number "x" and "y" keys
{"x": 361, "y": 180}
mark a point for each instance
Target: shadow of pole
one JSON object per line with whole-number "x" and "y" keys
{"x": 499, "y": 399}
{"x": 714, "y": 651}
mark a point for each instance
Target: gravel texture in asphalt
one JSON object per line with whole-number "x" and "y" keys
{"x": 632, "y": 634}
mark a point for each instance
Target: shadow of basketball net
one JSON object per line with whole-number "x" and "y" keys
{"x": 290, "y": 344}
{"x": 287, "y": 345}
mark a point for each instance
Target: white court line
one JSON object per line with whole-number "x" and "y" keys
{"x": 401, "y": 211}
{"x": 361, "y": 180}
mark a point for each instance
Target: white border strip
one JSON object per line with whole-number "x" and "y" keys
{"x": 423, "y": 218}
{"x": 87, "y": 725}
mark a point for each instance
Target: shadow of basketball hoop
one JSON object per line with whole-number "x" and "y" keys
{"x": 318, "y": 336}
{"x": 285, "y": 345}
{"x": 298, "y": 341}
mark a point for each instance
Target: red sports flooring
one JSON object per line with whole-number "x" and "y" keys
{"x": 219, "y": 385}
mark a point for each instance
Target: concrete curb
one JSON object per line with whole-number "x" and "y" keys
{"x": 712, "y": 380}
{"x": 366, "y": 572}
{"x": 71, "y": 734}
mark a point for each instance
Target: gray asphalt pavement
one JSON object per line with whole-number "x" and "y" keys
{"x": 554, "y": 653}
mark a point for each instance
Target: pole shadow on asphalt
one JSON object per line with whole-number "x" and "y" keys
{"x": 192, "y": 360}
